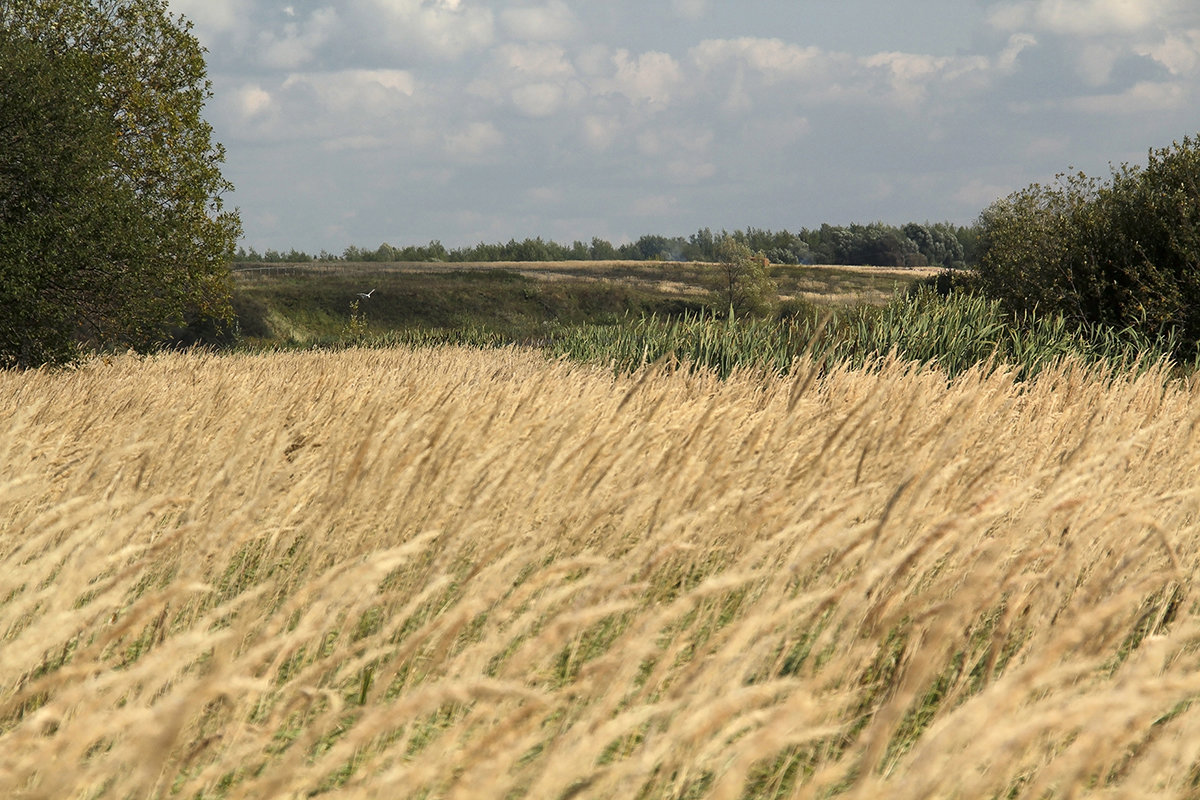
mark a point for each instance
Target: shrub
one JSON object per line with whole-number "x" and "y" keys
{"x": 1122, "y": 253}
{"x": 948, "y": 282}
{"x": 740, "y": 282}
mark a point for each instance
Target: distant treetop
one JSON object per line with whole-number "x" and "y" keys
{"x": 876, "y": 244}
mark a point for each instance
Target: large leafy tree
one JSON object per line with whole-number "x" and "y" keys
{"x": 112, "y": 225}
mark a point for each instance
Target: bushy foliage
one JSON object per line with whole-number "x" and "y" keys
{"x": 875, "y": 244}
{"x": 112, "y": 228}
{"x": 47, "y": 231}
{"x": 1120, "y": 253}
{"x": 939, "y": 244}
{"x": 741, "y": 285}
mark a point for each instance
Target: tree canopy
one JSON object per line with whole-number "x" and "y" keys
{"x": 1121, "y": 253}
{"x": 112, "y": 225}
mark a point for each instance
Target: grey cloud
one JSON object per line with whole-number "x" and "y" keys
{"x": 550, "y": 21}
{"x": 299, "y": 42}
{"x": 403, "y": 120}
{"x": 1086, "y": 18}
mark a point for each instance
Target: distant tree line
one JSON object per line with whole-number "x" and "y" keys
{"x": 876, "y": 244}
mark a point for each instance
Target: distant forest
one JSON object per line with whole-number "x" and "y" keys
{"x": 875, "y": 244}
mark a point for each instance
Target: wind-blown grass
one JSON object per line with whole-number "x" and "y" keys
{"x": 476, "y": 573}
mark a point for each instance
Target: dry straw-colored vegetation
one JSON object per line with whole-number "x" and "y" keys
{"x": 455, "y": 573}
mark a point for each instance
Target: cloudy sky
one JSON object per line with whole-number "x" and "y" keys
{"x": 365, "y": 121}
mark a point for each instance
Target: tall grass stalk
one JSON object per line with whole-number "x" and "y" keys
{"x": 454, "y": 573}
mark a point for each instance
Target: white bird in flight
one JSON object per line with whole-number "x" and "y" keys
{"x": 366, "y": 295}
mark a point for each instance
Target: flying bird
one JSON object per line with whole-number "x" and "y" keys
{"x": 366, "y": 295}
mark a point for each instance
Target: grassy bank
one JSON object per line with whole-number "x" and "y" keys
{"x": 302, "y": 305}
{"x": 309, "y": 303}
{"x": 465, "y": 573}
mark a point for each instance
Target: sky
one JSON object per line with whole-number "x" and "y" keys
{"x": 465, "y": 121}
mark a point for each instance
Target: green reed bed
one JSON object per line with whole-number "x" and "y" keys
{"x": 957, "y": 333}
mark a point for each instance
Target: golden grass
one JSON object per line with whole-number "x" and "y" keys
{"x": 450, "y": 573}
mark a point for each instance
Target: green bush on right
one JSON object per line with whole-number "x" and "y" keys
{"x": 1123, "y": 253}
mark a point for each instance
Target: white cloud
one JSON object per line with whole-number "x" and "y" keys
{"x": 550, "y": 22}
{"x": 1082, "y": 17}
{"x": 443, "y": 29}
{"x": 660, "y": 142}
{"x": 593, "y": 60}
{"x": 783, "y": 132}
{"x": 1095, "y": 62}
{"x": 476, "y": 141}
{"x": 912, "y": 77}
{"x": 643, "y": 101}
{"x": 907, "y": 74}
{"x": 651, "y": 77}
{"x": 396, "y": 80}
{"x": 686, "y": 171}
{"x": 253, "y": 100}
{"x": 545, "y": 194}
{"x": 1103, "y": 41}
{"x": 907, "y": 67}
{"x": 979, "y": 193}
{"x": 352, "y": 84}
{"x": 299, "y": 43}
{"x": 1141, "y": 98}
{"x": 1179, "y": 52}
{"x": 365, "y": 93}
{"x": 537, "y": 79}
{"x": 737, "y": 100}
{"x": 600, "y": 132}
{"x": 210, "y": 16}
{"x": 657, "y": 205}
{"x": 775, "y": 59}
{"x": 538, "y": 99}
{"x": 354, "y": 142}
{"x": 747, "y": 71}
{"x": 1042, "y": 146}
{"x": 539, "y": 61}
{"x": 1017, "y": 43}
{"x": 690, "y": 9}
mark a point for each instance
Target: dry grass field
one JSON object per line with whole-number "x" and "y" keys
{"x": 460, "y": 574}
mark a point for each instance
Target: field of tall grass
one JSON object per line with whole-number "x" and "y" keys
{"x": 456, "y": 573}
